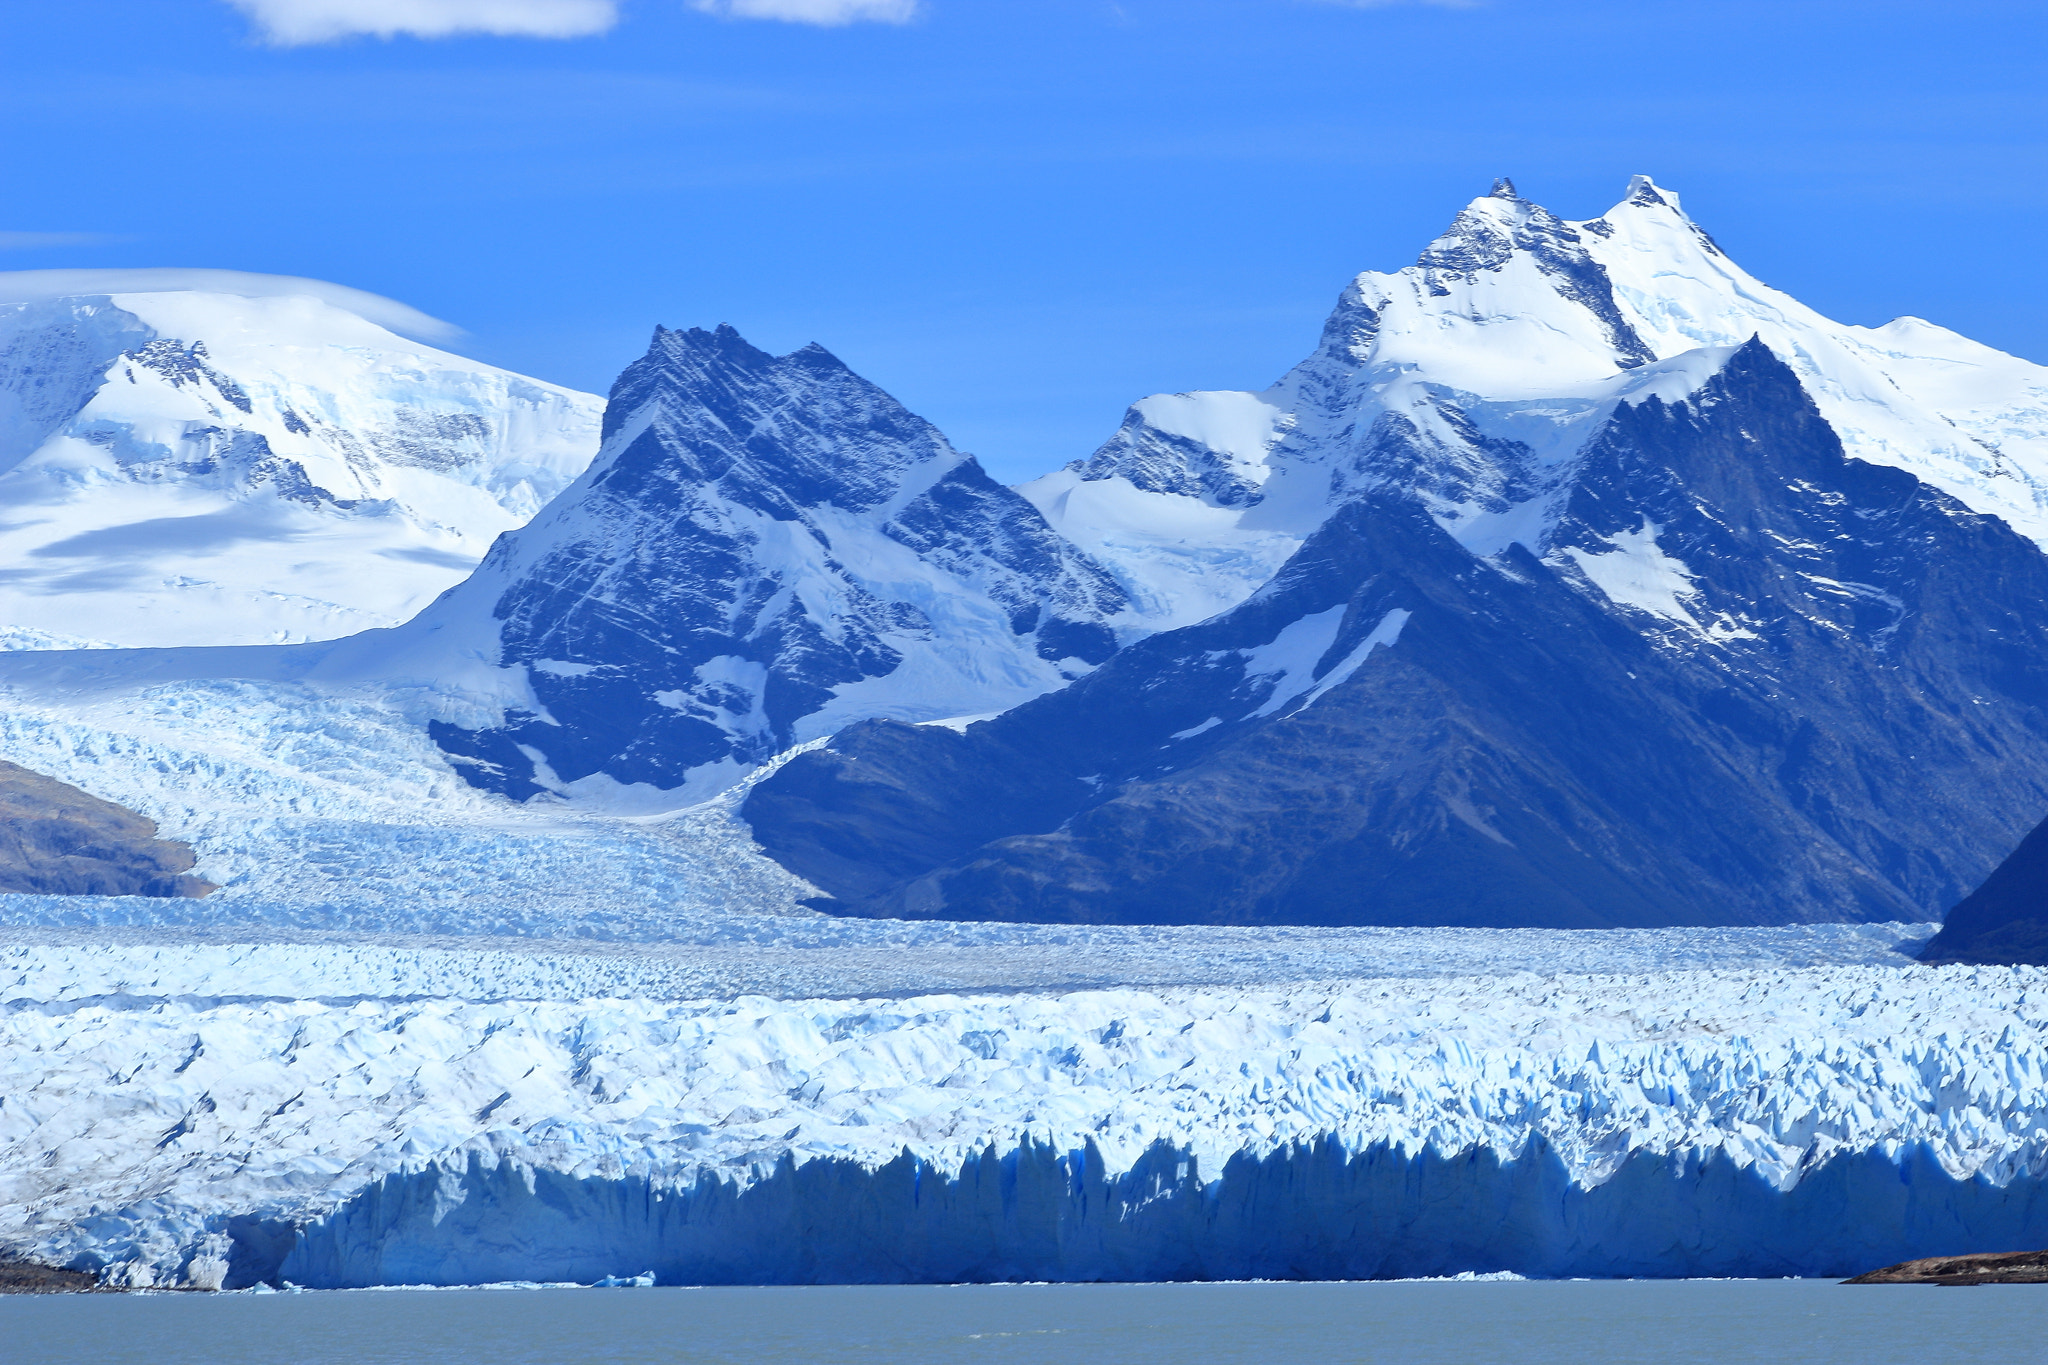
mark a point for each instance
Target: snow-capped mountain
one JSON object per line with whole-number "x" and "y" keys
{"x": 1469, "y": 377}
{"x": 1740, "y": 677}
{"x": 202, "y": 466}
{"x": 767, "y": 548}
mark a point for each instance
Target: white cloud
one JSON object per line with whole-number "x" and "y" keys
{"x": 830, "y": 13}
{"x": 26, "y": 286}
{"x": 295, "y": 23}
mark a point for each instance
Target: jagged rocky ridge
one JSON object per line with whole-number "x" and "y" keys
{"x": 1739, "y": 678}
{"x": 1507, "y": 336}
{"x": 765, "y": 549}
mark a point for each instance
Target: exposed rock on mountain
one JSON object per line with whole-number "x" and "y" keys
{"x": 1738, "y": 677}
{"x": 766, "y": 549}
{"x": 58, "y": 840}
{"x": 2006, "y": 919}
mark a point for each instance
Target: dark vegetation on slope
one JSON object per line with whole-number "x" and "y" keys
{"x": 57, "y": 840}
{"x": 1852, "y": 743}
{"x": 2006, "y": 919}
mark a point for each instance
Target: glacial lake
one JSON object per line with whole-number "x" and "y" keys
{"x": 1413, "y": 1322}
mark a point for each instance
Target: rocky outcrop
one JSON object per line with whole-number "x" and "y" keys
{"x": 56, "y": 840}
{"x": 2004, "y": 1267}
{"x": 26, "y": 1277}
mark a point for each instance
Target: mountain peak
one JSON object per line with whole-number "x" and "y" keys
{"x": 1503, "y": 188}
{"x": 1644, "y": 193}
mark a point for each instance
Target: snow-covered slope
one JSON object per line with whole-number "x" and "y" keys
{"x": 204, "y": 466}
{"x": 1473, "y": 375}
{"x": 766, "y": 549}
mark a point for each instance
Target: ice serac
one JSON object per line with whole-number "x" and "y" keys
{"x": 766, "y": 549}
{"x": 1471, "y": 377}
{"x": 1740, "y": 678}
{"x": 196, "y": 467}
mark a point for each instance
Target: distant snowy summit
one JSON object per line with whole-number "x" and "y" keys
{"x": 1475, "y": 376}
{"x": 1576, "y": 578}
{"x": 225, "y": 463}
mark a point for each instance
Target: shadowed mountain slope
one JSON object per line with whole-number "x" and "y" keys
{"x": 1739, "y": 679}
{"x": 2006, "y": 919}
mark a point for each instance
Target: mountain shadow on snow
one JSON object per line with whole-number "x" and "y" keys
{"x": 1741, "y": 679}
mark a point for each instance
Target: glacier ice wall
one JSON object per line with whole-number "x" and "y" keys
{"x": 1763, "y": 1120}
{"x": 1309, "y": 1210}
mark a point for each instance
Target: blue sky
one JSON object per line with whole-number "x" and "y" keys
{"x": 1018, "y": 217}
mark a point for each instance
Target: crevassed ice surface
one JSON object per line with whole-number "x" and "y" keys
{"x": 197, "y": 467}
{"x": 135, "y": 1095}
{"x": 331, "y": 1018}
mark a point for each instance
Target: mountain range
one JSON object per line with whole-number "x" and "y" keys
{"x": 1576, "y": 578}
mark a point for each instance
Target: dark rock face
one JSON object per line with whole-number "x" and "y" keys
{"x": 1818, "y": 691}
{"x": 26, "y": 1277}
{"x": 758, "y": 533}
{"x": 2006, "y": 919}
{"x": 56, "y": 840}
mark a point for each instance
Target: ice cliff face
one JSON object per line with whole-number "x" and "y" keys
{"x": 1472, "y": 376}
{"x": 766, "y": 549}
{"x": 199, "y": 467}
{"x": 1757, "y": 1121}
{"x": 1739, "y": 678}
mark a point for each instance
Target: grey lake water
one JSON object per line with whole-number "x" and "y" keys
{"x": 1526, "y": 1322}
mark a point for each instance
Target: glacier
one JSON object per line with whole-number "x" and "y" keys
{"x": 355, "y": 1115}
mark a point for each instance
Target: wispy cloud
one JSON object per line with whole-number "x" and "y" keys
{"x": 298, "y": 23}
{"x": 27, "y": 286}
{"x": 36, "y": 241}
{"x": 830, "y": 13}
